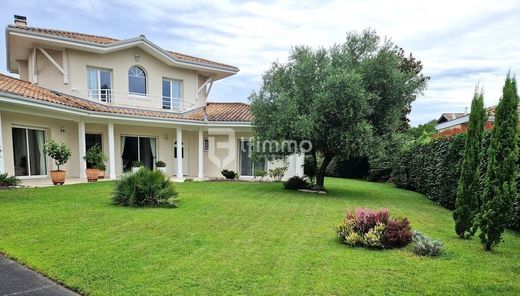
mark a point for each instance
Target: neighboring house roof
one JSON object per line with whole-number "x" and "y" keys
{"x": 216, "y": 112}
{"x": 104, "y": 41}
{"x": 449, "y": 116}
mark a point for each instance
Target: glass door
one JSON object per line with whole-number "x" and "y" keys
{"x": 143, "y": 149}
{"x": 247, "y": 164}
{"x": 29, "y": 158}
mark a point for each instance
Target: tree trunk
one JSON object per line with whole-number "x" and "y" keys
{"x": 320, "y": 173}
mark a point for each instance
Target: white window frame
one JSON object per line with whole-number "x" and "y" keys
{"x": 145, "y": 94}
{"x": 98, "y": 70}
{"x": 139, "y": 146}
{"x": 26, "y": 128}
{"x": 252, "y": 162}
{"x": 181, "y": 87}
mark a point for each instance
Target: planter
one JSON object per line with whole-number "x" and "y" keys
{"x": 135, "y": 169}
{"x": 92, "y": 175}
{"x": 58, "y": 177}
{"x": 101, "y": 174}
{"x": 163, "y": 170}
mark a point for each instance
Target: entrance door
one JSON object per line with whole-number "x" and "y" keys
{"x": 29, "y": 159}
{"x": 143, "y": 149}
{"x": 184, "y": 159}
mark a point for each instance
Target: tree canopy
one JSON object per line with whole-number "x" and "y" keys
{"x": 342, "y": 100}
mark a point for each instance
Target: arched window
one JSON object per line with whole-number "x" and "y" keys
{"x": 137, "y": 81}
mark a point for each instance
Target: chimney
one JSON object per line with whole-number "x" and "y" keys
{"x": 20, "y": 20}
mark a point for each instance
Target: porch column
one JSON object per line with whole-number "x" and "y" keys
{"x": 179, "y": 154}
{"x": 81, "y": 150}
{"x": 2, "y": 165}
{"x": 201, "y": 155}
{"x": 111, "y": 151}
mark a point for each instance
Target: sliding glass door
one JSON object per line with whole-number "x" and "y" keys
{"x": 247, "y": 164}
{"x": 143, "y": 149}
{"x": 29, "y": 159}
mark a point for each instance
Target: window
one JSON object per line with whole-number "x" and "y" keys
{"x": 137, "y": 81}
{"x": 171, "y": 97}
{"x": 247, "y": 164}
{"x": 99, "y": 83}
{"x": 29, "y": 159}
{"x": 175, "y": 150}
{"x": 206, "y": 145}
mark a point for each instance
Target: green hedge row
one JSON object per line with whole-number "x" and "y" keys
{"x": 433, "y": 169}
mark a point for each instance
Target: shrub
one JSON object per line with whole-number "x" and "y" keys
{"x": 259, "y": 173}
{"x": 425, "y": 246}
{"x": 137, "y": 164}
{"x": 8, "y": 181}
{"x": 95, "y": 157}
{"x": 277, "y": 173}
{"x": 398, "y": 233}
{"x": 230, "y": 175}
{"x": 145, "y": 188}
{"x": 295, "y": 183}
{"x": 60, "y": 153}
{"x": 160, "y": 164}
{"x": 370, "y": 229}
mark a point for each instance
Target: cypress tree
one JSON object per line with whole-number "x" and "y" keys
{"x": 466, "y": 204}
{"x": 500, "y": 181}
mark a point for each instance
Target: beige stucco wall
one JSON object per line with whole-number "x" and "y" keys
{"x": 119, "y": 62}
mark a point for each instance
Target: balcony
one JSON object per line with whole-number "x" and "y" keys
{"x": 127, "y": 99}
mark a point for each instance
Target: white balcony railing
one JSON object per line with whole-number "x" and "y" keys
{"x": 127, "y": 99}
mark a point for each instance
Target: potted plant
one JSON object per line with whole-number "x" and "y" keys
{"x": 102, "y": 168}
{"x": 60, "y": 153}
{"x": 136, "y": 165}
{"x": 96, "y": 162}
{"x": 161, "y": 166}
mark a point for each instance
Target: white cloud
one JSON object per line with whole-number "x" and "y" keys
{"x": 461, "y": 43}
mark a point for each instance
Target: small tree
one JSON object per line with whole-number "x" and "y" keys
{"x": 466, "y": 204}
{"x": 500, "y": 181}
{"x": 60, "y": 153}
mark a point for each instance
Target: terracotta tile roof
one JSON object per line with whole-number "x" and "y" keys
{"x": 228, "y": 112}
{"x": 108, "y": 40}
{"x": 236, "y": 112}
{"x": 66, "y": 34}
{"x": 450, "y": 116}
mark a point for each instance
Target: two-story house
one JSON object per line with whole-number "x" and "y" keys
{"x": 138, "y": 101}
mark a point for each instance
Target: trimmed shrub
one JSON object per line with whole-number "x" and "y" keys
{"x": 8, "y": 181}
{"x": 160, "y": 164}
{"x": 295, "y": 183}
{"x": 137, "y": 164}
{"x": 425, "y": 246}
{"x": 277, "y": 173}
{"x": 373, "y": 229}
{"x": 230, "y": 175}
{"x": 145, "y": 188}
{"x": 398, "y": 233}
{"x": 259, "y": 173}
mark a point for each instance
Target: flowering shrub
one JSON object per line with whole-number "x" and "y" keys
{"x": 373, "y": 229}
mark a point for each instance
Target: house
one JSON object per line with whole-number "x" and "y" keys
{"x": 458, "y": 122}
{"x": 138, "y": 101}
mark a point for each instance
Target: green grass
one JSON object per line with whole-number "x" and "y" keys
{"x": 242, "y": 238}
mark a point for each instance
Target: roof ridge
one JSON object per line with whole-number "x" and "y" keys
{"x": 62, "y": 31}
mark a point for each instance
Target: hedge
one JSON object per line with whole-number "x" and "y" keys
{"x": 433, "y": 169}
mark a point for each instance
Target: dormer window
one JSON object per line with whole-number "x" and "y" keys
{"x": 137, "y": 81}
{"x": 99, "y": 82}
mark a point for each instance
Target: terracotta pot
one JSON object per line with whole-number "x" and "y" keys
{"x": 101, "y": 174}
{"x": 58, "y": 177}
{"x": 135, "y": 169}
{"x": 92, "y": 175}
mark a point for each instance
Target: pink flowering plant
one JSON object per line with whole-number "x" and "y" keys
{"x": 374, "y": 229}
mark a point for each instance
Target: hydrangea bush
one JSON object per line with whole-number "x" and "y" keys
{"x": 374, "y": 229}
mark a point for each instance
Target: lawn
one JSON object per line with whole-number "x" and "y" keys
{"x": 242, "y": 238}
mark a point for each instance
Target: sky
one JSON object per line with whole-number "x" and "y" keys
{"x": 461, "y": 43}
